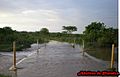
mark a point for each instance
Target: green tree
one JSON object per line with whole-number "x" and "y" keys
{"x": 98, "y": 35}
{"x": 44, "y": 31}
{"x": 94, "y": 31}
{"x": 109, "y": 36}
{"x": 7, "y": 30}
{"x": 70, "y": 29}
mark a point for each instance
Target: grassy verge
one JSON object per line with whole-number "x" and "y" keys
{"x": 4, "y": 76}
{"x": 19, "y": 47}
{"x": 5, "y": 47}
{"x": 8, "y": 47}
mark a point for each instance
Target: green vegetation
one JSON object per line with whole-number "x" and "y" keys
{"x": 44, "y": 31}
{"x": 99, "y": 39}
{"x": 4, "y": 76}
{"x": 66, "y": 37}
{"x": 103, "y": 53}
{"x": 23, "y": 39}
{"x": 97, "y": 36}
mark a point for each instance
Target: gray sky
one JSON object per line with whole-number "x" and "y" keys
{"x": 32, "y": 15}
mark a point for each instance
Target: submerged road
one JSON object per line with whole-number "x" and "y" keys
{"x": 57, "y": 60}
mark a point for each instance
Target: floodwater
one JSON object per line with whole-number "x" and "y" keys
{"x": 6, "y": 58}
{"x": 56, "y": 59}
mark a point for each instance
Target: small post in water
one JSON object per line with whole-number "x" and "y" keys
{"x": 112, "y": 56}
{"x": 74, "y": 43}
{"x": 37, "y": 45}
{"x": 45, "y": 42}
{"x": 83, "y": 46}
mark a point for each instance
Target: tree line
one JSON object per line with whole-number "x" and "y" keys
{"x": 95, "y": 34}
{"x": 98, "y": 34}
{"x": 23, "y": 39}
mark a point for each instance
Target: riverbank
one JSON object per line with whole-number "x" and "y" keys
{"x": 9, "y": 47}
{"x": 4, "y": 76}
{"x": 19, "y": 47}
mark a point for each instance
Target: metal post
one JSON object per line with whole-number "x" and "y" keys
{"x": 112, "y": 56}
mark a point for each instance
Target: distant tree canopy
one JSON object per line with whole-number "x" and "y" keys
{"x": 69, "y": 29}
{"x": 6, "y": 30}
{"x": 97, "y": 32}
{"x": 6, "y": 35}
{"x": 94, "y": 30}
{"x": 44, "y": 31}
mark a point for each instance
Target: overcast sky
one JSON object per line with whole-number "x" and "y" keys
{"x": 32, "y": 15}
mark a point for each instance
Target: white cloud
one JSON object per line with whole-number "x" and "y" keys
{"x": 30, "y": 16}
{"x": 28, "y": 11}
{"x": 40, "y": 15}
{"x": 4, "y": 14}
{"x": 57, "y": 13}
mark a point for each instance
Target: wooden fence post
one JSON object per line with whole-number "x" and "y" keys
{"x": 112, "y": 56}
{"x": 13, "y": 68}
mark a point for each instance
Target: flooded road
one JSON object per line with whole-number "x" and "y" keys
{"x": 6, "y": 58}
{"x": 57, "y": 60}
